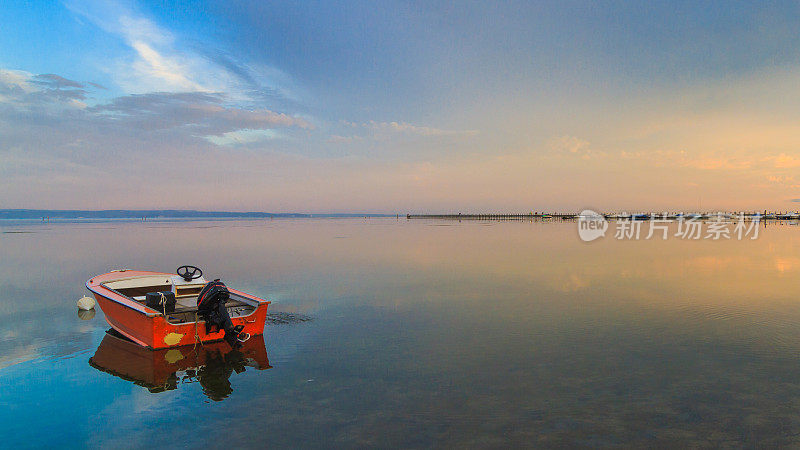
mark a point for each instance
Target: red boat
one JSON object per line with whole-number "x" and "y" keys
{"x": 125, "y": 296}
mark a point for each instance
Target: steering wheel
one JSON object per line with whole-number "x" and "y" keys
{"x": 189, "y": 273}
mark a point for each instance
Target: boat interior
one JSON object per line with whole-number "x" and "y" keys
{"x": 186, "y": 292}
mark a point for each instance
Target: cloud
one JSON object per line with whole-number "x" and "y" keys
{"x": 784, "y": 161}
{"x": 711, "y": 163}
{"x": 384, "y": 131}
{"x": 153, "y": 64}
{"x": 185, "y": 111}
{"x": 16, "y": 80}
{"x": 156, "y": 64}
{"x": 136, "y": 149}
{"x": 20, "y": 89}
{"x": 680, "y": 158}
{"x": 160, "y": 61}
{"x": 242, "y": 137}
{"x": 48, "y": 113}
{"x": 206, "y": 113}
{"x": 407, "y": 128}
{"x": 392, "y": 138}
{"x": 169, "y": 72}
{"x": 55, "y": 81}
{"x": 569, "y": 144}
{"x": 574, "y": 146}
{"x": 336, "y": 139}
{"x": 795, "y": 200}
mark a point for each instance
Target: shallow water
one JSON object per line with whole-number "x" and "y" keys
{"x": 424, "y": 333}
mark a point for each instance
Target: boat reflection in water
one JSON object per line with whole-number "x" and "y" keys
{"x": 210, "y": 364}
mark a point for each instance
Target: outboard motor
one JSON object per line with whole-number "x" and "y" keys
{"x": 211, "y": 307}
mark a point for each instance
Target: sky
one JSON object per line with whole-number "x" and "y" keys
{"x": 400, "y": 106}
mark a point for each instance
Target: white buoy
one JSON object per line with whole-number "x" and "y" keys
{"x": 86, "y": 303}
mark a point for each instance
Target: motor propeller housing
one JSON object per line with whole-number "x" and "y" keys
{"x": 211, "y": 307}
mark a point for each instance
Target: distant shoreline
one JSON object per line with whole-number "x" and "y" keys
{"x": 145, "y": 214}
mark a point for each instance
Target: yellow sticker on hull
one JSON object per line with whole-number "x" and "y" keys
{"x": 172, "y": 338}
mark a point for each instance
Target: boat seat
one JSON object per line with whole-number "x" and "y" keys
{"x": 189, "y": 304}
{"x": 186, "y": 302}
{"x": 185, "y": 314}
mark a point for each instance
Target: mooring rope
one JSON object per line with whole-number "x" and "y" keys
{"x": 196, "y": 334}
{"x": 163, "y": 303}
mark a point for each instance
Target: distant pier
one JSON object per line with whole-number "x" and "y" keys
{"x": 494, "y": 216}
{"x": 763, "y": 216}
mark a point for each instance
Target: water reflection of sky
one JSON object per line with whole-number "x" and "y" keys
{"x": 512, "y": 333}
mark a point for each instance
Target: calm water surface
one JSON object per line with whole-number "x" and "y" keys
{"x": 424, "y": 333}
